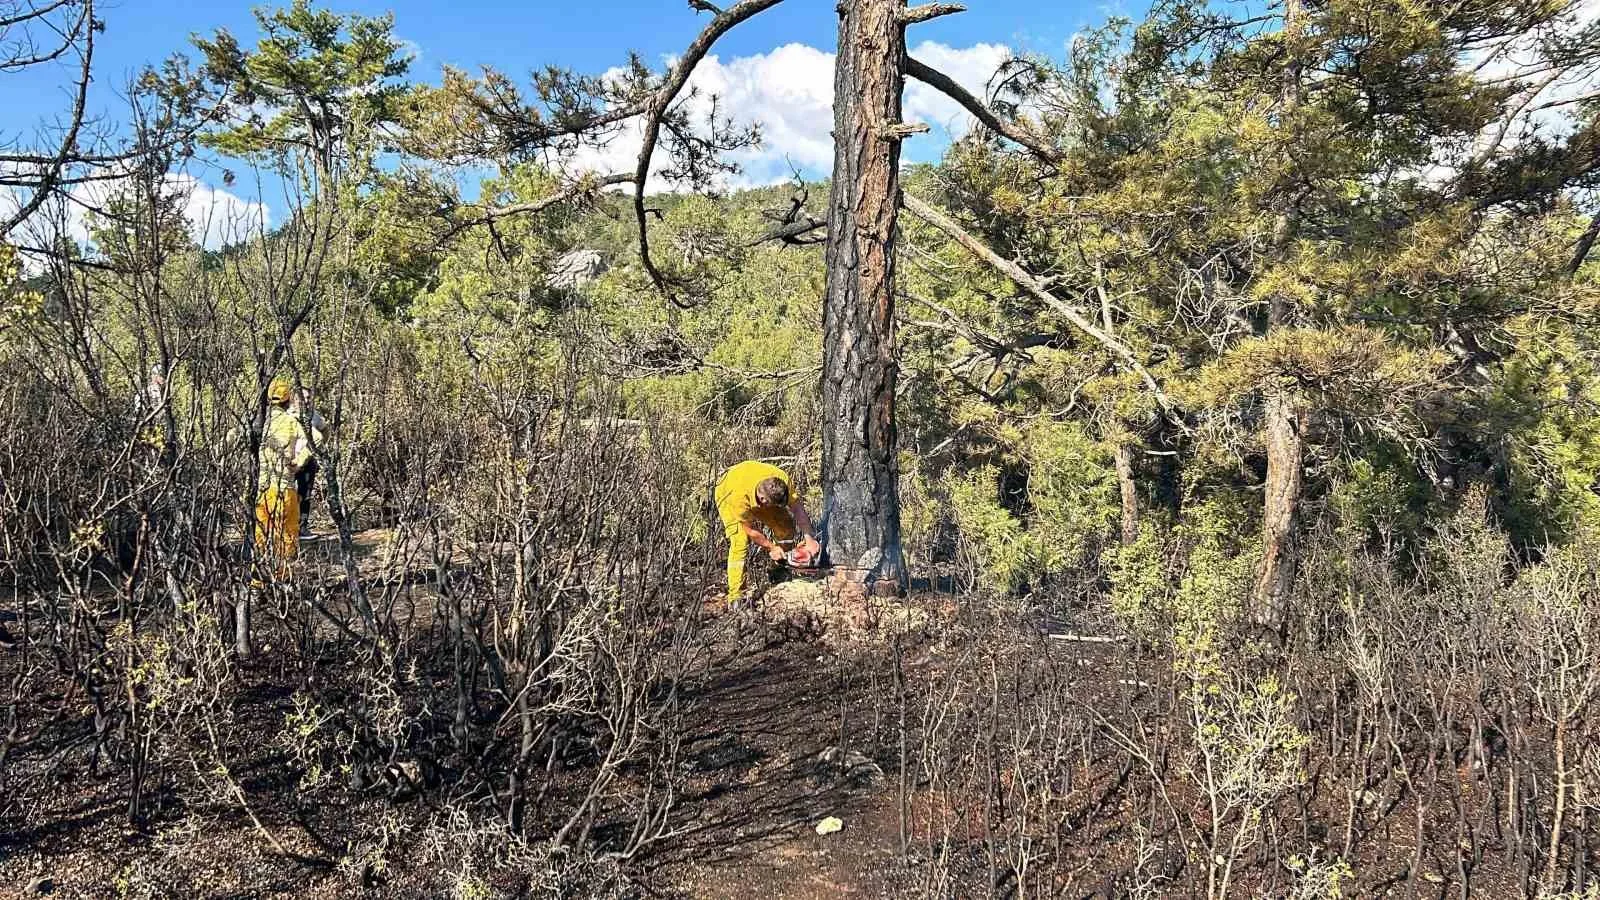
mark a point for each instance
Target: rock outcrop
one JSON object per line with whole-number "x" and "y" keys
{"x": 575, "y": 269}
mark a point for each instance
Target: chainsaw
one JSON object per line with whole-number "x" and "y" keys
{"x": 799, "y": 559}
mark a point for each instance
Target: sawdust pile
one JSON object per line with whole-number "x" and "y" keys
{"x": 840, "y": 614}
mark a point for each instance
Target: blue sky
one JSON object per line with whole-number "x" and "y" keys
{"x": 774, "y": 68}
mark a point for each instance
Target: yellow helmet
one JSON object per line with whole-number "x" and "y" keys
{"x": 280, "y": 391}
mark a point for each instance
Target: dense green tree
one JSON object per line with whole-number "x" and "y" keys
{"x": 314, "y": 79}
{"x": 1302, "y": 223}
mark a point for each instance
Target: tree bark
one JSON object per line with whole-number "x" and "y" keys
{"x": 1130, "y": 493}
{"x": 1285, "y": 419}
{"x": 1585, "y": 244}
{"x": 1285, "y": 436}
{"x": 1558, "y": 821}
{"x": 861, "y": 503}
{"x": 241, "y": 620}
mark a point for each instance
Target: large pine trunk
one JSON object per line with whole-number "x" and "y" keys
{"x": 861, "y": 504}
{"x": 1285, "y": 434}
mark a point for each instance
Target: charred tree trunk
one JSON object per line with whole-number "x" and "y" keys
{"x": 861, "y": 503}
{"x": 1285, "y": 434}
{"x": 1130, "y": 493}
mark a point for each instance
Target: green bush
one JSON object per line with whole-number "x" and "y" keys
{"x": 1001, "y": 549}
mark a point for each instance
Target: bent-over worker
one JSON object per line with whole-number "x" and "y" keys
{"x": 757, "y": 505}
{"x": 284, "y": 452}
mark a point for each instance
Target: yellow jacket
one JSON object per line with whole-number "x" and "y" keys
{"x": 736, "y": 493}
{"x": 284, "y": 450}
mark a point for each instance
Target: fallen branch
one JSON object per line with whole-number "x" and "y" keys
{"x": 1085, "y": 638}
{"x": 1027, "y": 281}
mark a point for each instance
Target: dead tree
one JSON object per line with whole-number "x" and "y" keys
{"x": 1284, "y": 426}
{"x": 1285, "y": 430}
{"x": 38, "y": 35}
{"x": 795, "y": 226}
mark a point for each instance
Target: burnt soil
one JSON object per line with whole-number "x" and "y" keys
{"x": 781, "y": 730}
{"x": 762, "y": 717}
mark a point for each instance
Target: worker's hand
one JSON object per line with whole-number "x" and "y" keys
{"x": 813, "y": 549}
{"x": 776, "y": 553}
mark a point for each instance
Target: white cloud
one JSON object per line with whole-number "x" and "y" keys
{"x": 789, "y": 93}
{"x": 215, "y": 216}
{"x": 410, "y": 49}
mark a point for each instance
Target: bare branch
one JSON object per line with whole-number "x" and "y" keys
{"x": 1014, "y": 131}
{"x": 1509, "y": 117}
{"x": 927, "y": 11}
{"x": 994, "y": 347}
{"x": 576, "y": 116}
{"x": 795, "y": 226}
{"x": 899, "y": 131}
{"x": 657, "y": 108}
{"x": 32, "y": 14}
{"x": 583, "y": 187}
{"x": 1585, "y": 244}
{"x": 51, "y": 169}
{"x": 800, "y": 231}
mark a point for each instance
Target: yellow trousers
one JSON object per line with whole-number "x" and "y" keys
{"x": 277, "y": 530}
{"x": 776, "y": 522}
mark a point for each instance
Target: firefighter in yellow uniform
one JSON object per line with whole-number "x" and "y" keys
{"x": 284, "y": 452}
{"x": 756, "y": 503}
